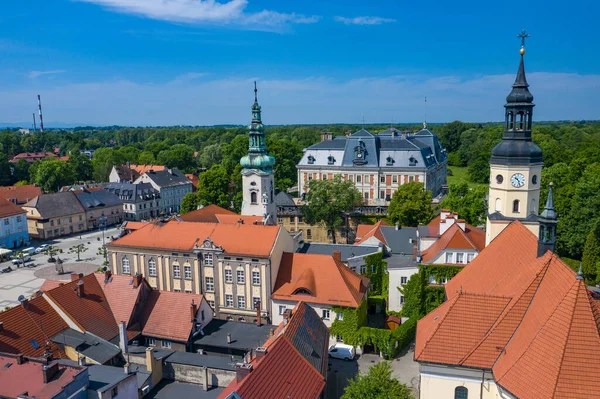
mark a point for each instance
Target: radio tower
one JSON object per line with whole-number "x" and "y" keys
{"x": 40, "y": 110}
{"x": 34, "y": 126}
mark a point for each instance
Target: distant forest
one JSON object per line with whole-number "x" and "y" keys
{"x": 571, "y": 160}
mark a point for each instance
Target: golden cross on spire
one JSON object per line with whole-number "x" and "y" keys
{"x": 523, "y": 35}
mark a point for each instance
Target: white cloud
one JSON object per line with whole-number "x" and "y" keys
{"x": 231, "y": 12}
{"x": 364, "y": 20}
{"x": 36, "y": 74}
{"x": 301, "y": 101}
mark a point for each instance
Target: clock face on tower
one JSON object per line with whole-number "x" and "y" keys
{"x": 517, "y": 180}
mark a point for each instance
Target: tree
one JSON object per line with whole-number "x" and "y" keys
{"x": 591, "y": 255}
{"x": 468, "y": 202}
{"x": 180, "y": 156}
{"x": 328, "y": 200}
{"x": 103, "y": 161}
{"x": 20, "y": 256}
{"x": 414, "y": 296}
{"x": 211, "y": 155}
{"x": 5, "y": 175}
{"x": 213, "y": 187}
{"x": 51, "y": 174}
{"x": 410, "y": 205}
{"x": 78, "y": 249}
{"x": 378, "y": 383}
{"x": 81, "y": 166}
{"x": 21, "y": 170}
{"x": 189, "y": 203}
{"x": 146, "y": 158}
{"x": 287, "y": 154}
{"x": 52, "y": 251}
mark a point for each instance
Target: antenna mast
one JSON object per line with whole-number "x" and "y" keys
{"x": 40, "y": 110}
{"x": 34, "y": 126}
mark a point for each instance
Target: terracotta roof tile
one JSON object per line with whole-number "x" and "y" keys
{"x": 92, "y": 312}
{"x": 242, "y": 239}
{"x": 207, "y": 214}
{"x": 7, "y": 209}
{"x": 234, "y": 219}
{"x": 374, "y": 231}
{"x": 50, "y": 284}
{"x": 167, "y": 315}
{"x": 20, "y": 194}
{"x": 193, "y": 178}
{"x": 21, "y": 327}
{"x": 329, "y": 281}
{"x": 120, "y": 294}
{"x": 141, "y": 169}
{"x": 135, "y": 225}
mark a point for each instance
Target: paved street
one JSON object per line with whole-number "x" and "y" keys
{"x": 26, "y": 281}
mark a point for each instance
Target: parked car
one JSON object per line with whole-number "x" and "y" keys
{"x": 28, "y": 251}
{"x": 41, "y": 248}
{"x": 18, "y": 261}
{"x": 342, "y": 351}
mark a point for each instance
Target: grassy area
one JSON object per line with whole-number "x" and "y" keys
{"x": 459, "y": 175}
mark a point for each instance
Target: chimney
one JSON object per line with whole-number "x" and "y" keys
{"x": 240, "y": 221}
{"x": 193, "y": 311}
{"x": 1, "y": 326}
{"x": 326, "y": 136}
{"x": 260, "y": 352}
{"x": 20, "y": 359}
{"x": 242, "y": 370}
{"x": 126, "y": 369}
{"x": 81, "y": 360}
{"x": 258, "y": 318}
{"x": 228, "y": 338}
{"x": 80, "y": 289}
{"x": 24, "y": 301}
{"x": 49, "y": 371}
{"x": 337, "y": 255}
{"x": 205, "y": 375}
{"x": 397, "y": 226}
{"x": 74, "y": 276}
{"x": 137, "y": 280}
{"x": 107, "y": 276}
{"x": 287, "y": 315}
{"x": 123, "y": 340}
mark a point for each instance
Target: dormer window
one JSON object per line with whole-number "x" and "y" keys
{"x": 389, "y": 161}
{"x": 360, "y": 154}
{"x": 311, "y": 160}
{"x": 412, "y": 161}
{"x": 330, "y": 160}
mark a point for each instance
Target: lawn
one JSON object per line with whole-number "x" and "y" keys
{"x": 460, "y": 174}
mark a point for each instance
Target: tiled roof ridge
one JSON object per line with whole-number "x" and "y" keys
{"x": 466, "y": 235}
{"x": 55, "y": 347}
{"x": 372, "y": 232}
{"x": 58, "y": 305}
{"x": 437, "y": 327}
{"x": 351, "y": 288}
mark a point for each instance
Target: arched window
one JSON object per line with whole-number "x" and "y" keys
{"x": 521, "y": 120}
{"x": 533, "y": 210}
{"x": 461, "y": 393}
{"x": 498, "y": 205}
{"x": 516, "y": 206}
{"x": 125, "y": 265}
{"x": 253, "y": 198}
{"x": 176, "y": 270}
{"x": 510, "y": 121}
{"x": 302, "y": 291}
{"x": 152, "y": 267}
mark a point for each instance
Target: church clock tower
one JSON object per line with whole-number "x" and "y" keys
{"x": 257, "y": 172}
{"x": 516, "y": 163}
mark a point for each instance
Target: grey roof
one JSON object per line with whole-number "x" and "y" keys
{"x": 125, "y": 173}
{"x": 532, "y": 217}
{"x": 338, "y": 143}
{"x": 90, "y": 346}
{"x": 104, "y": 377}
{"x": 98, "y": 199}
{"x": 195, "y": 359}
{"x": 141, "y": 350}
{"x": 244, "y": 336}
{"x": 399, "y": 240}
{"x": 347, "y": 251}
{"x": 168, "y": 177}
{"x": 284, "y": 199}
{"x": 176, "y": 390}
{"x": 56, "y": 205}
{"x": 133, "y": 193}
{"x": 400, "y": 261}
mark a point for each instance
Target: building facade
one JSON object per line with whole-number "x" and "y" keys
{"x": 54, "y": 215}
{"x": 102, "y": 208}
{"x": 140, "y": 201}
{"x": 13, "y": 225}
{"x": 172, "y": 185}
{"x": 377, "y": 163}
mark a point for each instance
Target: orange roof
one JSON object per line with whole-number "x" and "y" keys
{"x": 120, "y": 294}
{"x": 242, "y": 239}
{"x": 20, "y": 194}
{"x": 167, "y": 315}
{"x": 135, "y": 225}
{"x": 207, "y": 214}
{"x": 233, "y": 219}
{"x": 364, "y": 232}
{"x": 91, "y": 312}
{"x": 320, "y": 279}
{"x": 35, "y": 324}
{"x": 7, "y": 209}
{"x": 50, "y": 284}
{"x": 455, "y": 238}
{"x": 141, "y": 169}
{"x": 530, "y": 320}
{"x": 193, "y": 178}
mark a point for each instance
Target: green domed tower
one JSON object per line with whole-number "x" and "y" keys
{"x": 257, "y": 172}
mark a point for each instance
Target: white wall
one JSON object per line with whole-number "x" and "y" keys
{"x": 278, "y": 318}
{"x": 394, "y": 295}
{"x": 441, "y": 258}
{"x": 126, "y": 389}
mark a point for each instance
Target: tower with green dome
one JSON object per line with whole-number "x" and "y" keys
{"x": 257, "y": 172}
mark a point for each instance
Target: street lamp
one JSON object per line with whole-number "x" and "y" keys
{"x": 102, "y": 221}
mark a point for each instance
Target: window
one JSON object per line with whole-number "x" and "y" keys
{"x": 165, "y": 344}
{"x": 299, "y": 219}
{"x": 176, "y": 270}
{"x": 279, "y": 220}
{"x": 499, "y": 179}
{"x": 311, "y": 160}
{"x": 358, "y": 178}
{"x": 449, "y": 257}
{"x": 202, "y": 317}
{"x": 255, "y": 277}
{"x": 241, "y": 302}
{"x": 339, "y": 316}
{"x": 534, "y": 179}
{"x": 351, "y": 178}
{"x": 282, "y": 309}
{"x": 366, "y": 179}
{"x": 80, "y": 218}
{"x": 403, "y": 280}
{"x": 470, "y": 257}
{"x": 382, "y": 179}
{"x": 366, "y": 195}
{"x": 382, "y": 194}
{"x": 229, "y": 300}
{"x": 253, "y": 199}
{"x": 255, "y": 300}
{"x": 208, "y": 259}
{"x": 325, "y": 313}
{"x": 411, "y": 179}
{"x": 125, "y": 265}
{"x": 114, "y": 392}
{"x": 241, "y": 276}
{"x": 211, "y": 304}
{"x": 187, "y": 272}
{"x": 516, "y": 205}
{"x": 152, "y": 267}
{"x": 228, "y": 276}
{"x": 363, "y": 269}
{"x": 395, "y": 179}
{"x": 402, "y": 299}
{"x": 460, "y": 257}
{"x": 210, "y": 284}
{"x": 330, "y": 160}
{"x": 51, "y": 222}
{"x": 150, "y": 342}
{"x": 70, "y": 220}
{"x": 461, "y": 393}
{"x": 292, "y": 219}
{"x": 308, "y": 233}
{"x": 498, "y": 204}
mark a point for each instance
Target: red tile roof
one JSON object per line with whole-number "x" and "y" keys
{"x": 20, "y": 194}
{"x": 456, "y": 238}
{"x": 167, "y": 315}
{"x": 135, "y": 225}
{"x": 27, "y": 377}
{"x": 50, "y": 284}
{"x": 141, "y": 169}
{"x": 365, "y": 232}
{"x": 7, "y": 209}
{"x": 241, "y": 239}
{"x": 528, "y": 319}
{"x": 328, "y": 281}
{"x": 33, "y": 156}
{"x": 92, "y": 312}
{"x": 194, "y": 179}
{"x": 38, "y": 321}
{"x": 233, "y": 219}
{"x": 207, "y": 214}
{"x": 120, "y": 294}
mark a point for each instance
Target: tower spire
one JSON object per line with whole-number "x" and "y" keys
{"x": 549, "y": 213}
{"x": 548, "y": 221}
{"x": 255, "y": 93}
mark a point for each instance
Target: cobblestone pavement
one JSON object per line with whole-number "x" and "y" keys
{"x": 404, "y": 368}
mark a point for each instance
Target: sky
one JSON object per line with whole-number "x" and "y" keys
{"x": 193, "y": 62}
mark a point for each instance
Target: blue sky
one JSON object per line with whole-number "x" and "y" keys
{"x": 168, "y": 62}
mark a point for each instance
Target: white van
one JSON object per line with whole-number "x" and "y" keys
{"x": 342, "y": 351}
